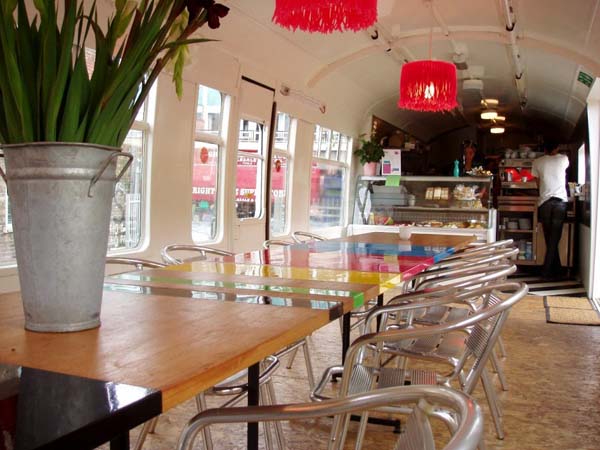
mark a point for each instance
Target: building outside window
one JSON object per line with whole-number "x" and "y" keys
{"x": 330, "y": 167}
{"x": 280, "y": 174}
{"x": 207, "y": 160}
{"x": 250, "y": 170}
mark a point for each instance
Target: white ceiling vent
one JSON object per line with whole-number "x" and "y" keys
{"x": 473, "y": 85}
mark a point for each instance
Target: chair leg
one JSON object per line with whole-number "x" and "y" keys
{"x": 264, "y": 399}
{"x": 153, "y": 425}
{"x": 490, "y": 394}
{"x": 206, "y": 436}
{"x": 278, "y": 427}
{"x": 499, "y": 370}
{"x": 139, "y": 442}
{"x": 501, "y": 347}
{"x": 291, "y": 358}
{"x": 308, "y": 362}
{"x": 362, "y": 429}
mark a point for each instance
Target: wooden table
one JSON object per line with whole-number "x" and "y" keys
{"x": 178, "y": 346}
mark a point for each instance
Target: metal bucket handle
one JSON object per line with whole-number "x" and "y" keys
{"x": 2, "y": 174}
{"x": 105, "y": 165}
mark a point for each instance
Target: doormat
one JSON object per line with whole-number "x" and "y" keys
{"x": 572, "y": 316}
{"x": 551, "y": 301}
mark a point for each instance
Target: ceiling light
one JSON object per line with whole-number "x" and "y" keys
{"x": 497, "y": 130}
{"x": 428, "y": 86}
{"x": 489, "y": 102}
{"x": 489, "y": 114}
{"x": 325, "y": 16}
{"x": 500, "y": 118}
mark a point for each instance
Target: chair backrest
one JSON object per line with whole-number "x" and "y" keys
{"x": 484, "y": 327}
{"x": 202, "y": 251}
{"x": 276, "y": 242}
{"x": 425, "y": 402}
{"x": 138, "y": 263}
{"x": 305, "y": 236}
{"x": 468, "y": 276}
{"x": 493, "y": 256}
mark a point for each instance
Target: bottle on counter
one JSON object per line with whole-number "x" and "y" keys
{"x": 456, "y": 171}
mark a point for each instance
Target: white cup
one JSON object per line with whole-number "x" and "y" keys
{"x": 404, "y": 233}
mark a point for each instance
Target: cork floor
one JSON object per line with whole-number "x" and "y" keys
{"x": 553, "y": 401}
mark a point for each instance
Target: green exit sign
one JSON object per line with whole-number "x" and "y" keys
{"x": 585, "y": 79}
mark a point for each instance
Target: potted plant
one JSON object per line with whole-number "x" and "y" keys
{"x": 369, "y": 154}
{"x": 61, "y": 129}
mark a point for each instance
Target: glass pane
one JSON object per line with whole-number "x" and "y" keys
{"x": 335, "y": 145}
{"x": 205, "y": 178}
{"x": 208, "y": 111}
{"x": 324, "y": 142}
{"x": 326, "y": 195}
{"x": 279, "y": 194}
{"x": 282, "y": 132}
{"x": 249, "y": 174}
{"x": 126, "y": 217}
{"x": 345, "y": 147}
{"x": 316, "y": 138}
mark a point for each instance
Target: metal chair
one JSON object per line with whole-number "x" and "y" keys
{"x": 465, "y": 345}
{"x": 304, "y": 343}
{"x": 422, "y": 402}
{"x": 169, "y": 258}
{"x": 236, "y": 387}
{"x": 138, "y": 263}
{"x": 276, "y": 242}
{"x": 304, "y": 236}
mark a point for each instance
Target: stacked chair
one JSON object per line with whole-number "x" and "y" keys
{"x": 168, "y": 256}
{"x": 304, "y": 236}
{"x": 422, "y": 403}
{"x": 464, "y": 344}
{"x": 138, "y": 263}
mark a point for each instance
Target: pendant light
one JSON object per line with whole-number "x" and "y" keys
{"x": 497, "y": 130}
{"x": 428, "y": 85}
{"x": 325, "y": 16}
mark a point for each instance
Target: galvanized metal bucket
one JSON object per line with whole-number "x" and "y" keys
{"x": 61, "y": 196}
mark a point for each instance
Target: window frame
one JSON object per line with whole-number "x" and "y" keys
{"x": 288, "y": 153}
{"x": 218, "y": 139}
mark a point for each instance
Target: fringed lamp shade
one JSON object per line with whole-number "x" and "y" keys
{"x": 428, "y": 86}
{"x": 325, "y": 16}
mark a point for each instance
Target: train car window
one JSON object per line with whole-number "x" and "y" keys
{"x": 328, "y": 178}
{"x": 280, "y": 174}
{"x": 208, "y": 146}
{"x": 249, "y": 172}
{"x": 127, "y": 218}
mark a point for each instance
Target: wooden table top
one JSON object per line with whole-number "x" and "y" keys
{"x": 177, "y": 345}
{"x": 351, "y": 295}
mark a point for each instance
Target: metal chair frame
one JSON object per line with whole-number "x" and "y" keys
{"x": 278, "y": 242}
{"x": 304, "y": 236}
{"x": 479, "y": 330}
{"x": 203, "y": 250}
{"x": 423, "y": 402}
{"x": 138, "y": 263}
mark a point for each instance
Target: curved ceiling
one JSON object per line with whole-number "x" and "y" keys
{"x": 534, "y": 70}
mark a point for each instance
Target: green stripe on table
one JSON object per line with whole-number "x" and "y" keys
{"x": 357, "y": 296}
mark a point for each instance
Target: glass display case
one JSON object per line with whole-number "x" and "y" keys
{"x": 442, "y": 205}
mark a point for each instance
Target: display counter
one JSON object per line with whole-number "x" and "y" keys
{"x": 440, "y": 205}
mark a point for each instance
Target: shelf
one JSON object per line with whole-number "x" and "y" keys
{"x": 516, "y": 231}
{"x": 433, "y": 208}
{"x": 519, "y": 185}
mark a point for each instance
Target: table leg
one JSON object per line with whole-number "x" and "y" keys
{"x": 253, "y": 398}
{"x": 120, "y": 442}
{"x": 345, "y": 335}
{"x": 379, "y": 305}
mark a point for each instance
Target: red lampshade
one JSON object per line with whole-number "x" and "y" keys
{"x": 428, "y": 86}
{"x": 325, "y": 16}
